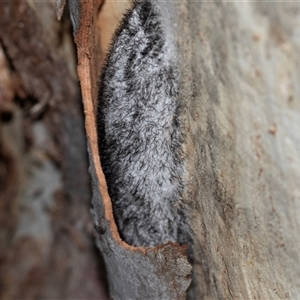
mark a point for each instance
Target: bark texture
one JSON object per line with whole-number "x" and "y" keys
{"x": 46, "y": 234}
{"x": 241, "y": 96}
{"x": 243, "y": 117}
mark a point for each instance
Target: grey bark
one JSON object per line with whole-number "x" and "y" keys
{"x": 243, "y": 114}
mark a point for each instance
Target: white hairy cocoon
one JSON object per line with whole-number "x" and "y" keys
{"x": 140, "y": 138}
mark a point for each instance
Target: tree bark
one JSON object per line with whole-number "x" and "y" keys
{"x": 243, "y": 115}
{"x": 240, "y": 67}
{"x": 46, "y": 234}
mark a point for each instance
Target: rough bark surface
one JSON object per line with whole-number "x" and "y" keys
{"x": 46, "y": 234}
{"x": 243, "y": 113}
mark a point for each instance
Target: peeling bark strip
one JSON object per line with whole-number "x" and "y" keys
{"x": 133, "y": 273}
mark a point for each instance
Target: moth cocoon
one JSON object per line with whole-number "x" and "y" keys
{"x": 140, "y": 136}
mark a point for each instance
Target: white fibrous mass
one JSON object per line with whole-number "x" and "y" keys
{"x": 140, "y": 137}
